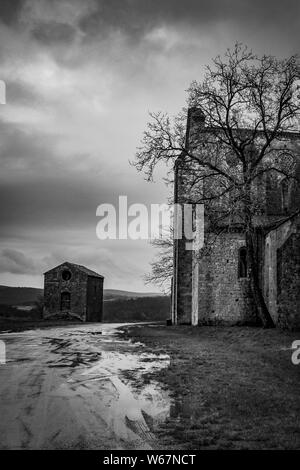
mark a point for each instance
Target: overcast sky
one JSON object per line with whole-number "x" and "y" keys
{"x": 81, "y": 77}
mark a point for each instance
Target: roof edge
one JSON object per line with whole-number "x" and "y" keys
{"x": 80, "y": 267}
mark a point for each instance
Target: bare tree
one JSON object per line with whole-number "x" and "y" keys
{"x": 251, "y": 108}
{"x": 162, "y": 266}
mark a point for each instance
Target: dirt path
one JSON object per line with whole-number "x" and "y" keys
{"x": 74, "y": 387}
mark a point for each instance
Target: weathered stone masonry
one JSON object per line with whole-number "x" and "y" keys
{"x": 223, "y": 295}
{"x": 72, "y": 291}
{"x": 211, "y": 287}
{"x": 282, "y": 273}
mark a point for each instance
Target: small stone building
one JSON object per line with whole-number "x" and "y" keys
{"x": 72, "y": 291}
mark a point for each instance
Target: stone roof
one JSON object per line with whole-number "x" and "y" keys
{"x": 81, "y": 268}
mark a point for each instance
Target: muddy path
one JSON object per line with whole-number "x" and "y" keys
{"x": 79, "y": 387}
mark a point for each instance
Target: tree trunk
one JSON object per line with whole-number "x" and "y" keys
{"x": 260, "y": 304}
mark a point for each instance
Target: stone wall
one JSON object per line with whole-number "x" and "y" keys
{"x": 94, "y": 299}
{"x": 282, "y": 274}
{"x": 55, "y": 285}
{"x": 289, "y": 295}
{"x": 223, "y": 297}
{"x": 207, "y": 289}
{"x": 183, "y": 283}
{"x": 182, "y": 275}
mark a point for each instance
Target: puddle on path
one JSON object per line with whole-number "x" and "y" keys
{"x": 87, "y": 389}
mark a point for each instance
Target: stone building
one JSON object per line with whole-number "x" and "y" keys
{"x": 211, "y": 286}
{"x": 72, "y": 291}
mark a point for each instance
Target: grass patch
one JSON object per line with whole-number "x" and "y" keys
{"x": 232, "y": 387}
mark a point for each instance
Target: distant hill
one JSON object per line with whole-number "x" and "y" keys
{"x": 137, "y": 309}
{"x": 28, "y": 295}
{"x": 119, "y": 305}
{"x": 19, "y": 295}
{"x": 112, "y": 294}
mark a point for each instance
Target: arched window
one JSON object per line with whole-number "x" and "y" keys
{"x": 284, "y": 185}
{"x": 279, "y": 270}
{"x": 242, "y": 268}
{"x": 65, "y": 301}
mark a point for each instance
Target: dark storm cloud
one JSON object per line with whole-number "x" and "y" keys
{"x": 49, "y": 201}
{"x": 53, "y": 32}
{"x": 94, "y": 20}
{"x": 81, "y": 75}
{"x": 39, "y": 188}
{"x": 59, "y": 24}
{"x": 19, "y": 92}
{"x": 20, "y": 149}
{"x": 135, "y": 17}
{"x": 9, "y": 10}
{"x": 15, "y": 262}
